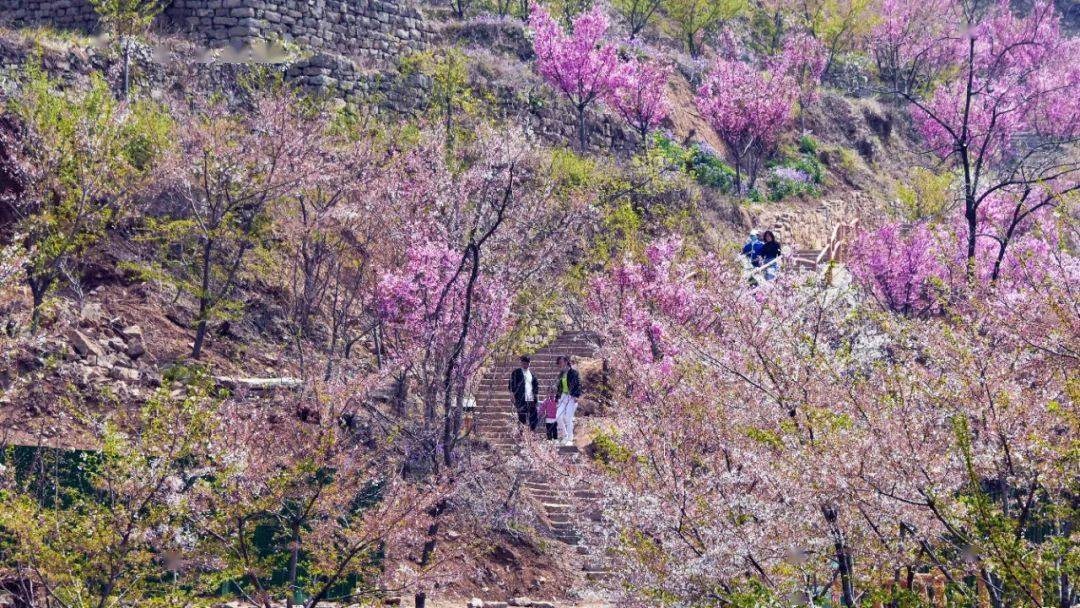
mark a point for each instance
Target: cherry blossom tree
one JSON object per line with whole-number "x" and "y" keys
{"x": 1009, "y": 117}
{"x": 749, "y": 109}
{"x": 228, "y": 170}
{"x": 923, "y": 268}
{"x": 86, "y": 155}
{"x": 582, "y": 65}
{"x": 108, "y": 526}
{"x": 329, "y": 232}
{"x": 469, "y": 237}
{"x": 904, "y": 268}
{"x": 640, "y": 96}
{"x": 327, "y": 481}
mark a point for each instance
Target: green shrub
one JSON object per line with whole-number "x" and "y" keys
{"x": 608, "y": 451}
{"x": 699, "y": 162}
{"x": 808, "y": 145}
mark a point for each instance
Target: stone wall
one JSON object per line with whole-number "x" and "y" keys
{"x": 368, "y": 30}
{"x": 64, "y": 14}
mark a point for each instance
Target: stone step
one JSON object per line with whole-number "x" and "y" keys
{"x": 557, "y": 507}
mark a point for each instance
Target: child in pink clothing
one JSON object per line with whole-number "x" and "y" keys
{"x": 548, "y": 412}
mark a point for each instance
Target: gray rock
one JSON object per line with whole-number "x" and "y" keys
{"x": 85, "y": 345}
{"x": 124, "y": 373}
{"x": 91, "y": 312}
{"x": 116, "y": 344}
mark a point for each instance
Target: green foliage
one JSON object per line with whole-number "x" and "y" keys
{"x": 690, "y": 20}
{"x": 838, "y": 24}
{"x": 925, "y": 194}
{"x": 568, "y": 9}
{"x": 507, "y": 8}
{"x": 807, "y": 144}
{"x": 608, "y": 451}
{"x": 699, "y": 162}
{"x": 128, "y": 17}
{"x": 95, "y": 529}
{"x": 637, "y": 13}
{"x": 91, "y": 154}
{"x": 451, "y": 92}
{"x": 571, "y": 172}
{"x": 780, "y": 188}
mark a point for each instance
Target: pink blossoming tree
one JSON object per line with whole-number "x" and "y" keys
{"x": 907, "y": 41}
{"x": 749, "y": 109}
{"x": 581, "y": 64}
{"x": 640, "y": 96}
{"x": 803, "y": 58}
{"x": 1012, "y": 110}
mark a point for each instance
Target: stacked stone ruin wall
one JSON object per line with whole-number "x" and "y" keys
{"x": 369, "y": 31}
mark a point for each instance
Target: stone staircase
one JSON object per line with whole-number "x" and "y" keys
{"x": 495, "y": 421}
{"x": 806, "y": 259}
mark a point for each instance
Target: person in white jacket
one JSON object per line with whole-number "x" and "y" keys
{"x": 567, "y": 389}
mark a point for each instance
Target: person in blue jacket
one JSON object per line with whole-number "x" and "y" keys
{"x": 752, "y": 249}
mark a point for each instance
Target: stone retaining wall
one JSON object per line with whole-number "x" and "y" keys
{"x": 368, "y": 30}
{"x": 64, "y": 14}
{"x": 375, "y": 30}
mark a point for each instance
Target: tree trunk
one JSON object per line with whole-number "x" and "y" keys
{"x": 38, "y": 288}
{"x": 126, "y": 42}
{"x": 843, "y": 557}
{"x": 204, "y": 301}
{"x": 420, "y": 598}
{"x": 970, "y": 214}
{"x": 581, "y": 128}
{"x": 738, "y": 177}
{"x": 294, "y": 554}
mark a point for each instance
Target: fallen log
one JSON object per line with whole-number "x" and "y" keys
{"x": 259, "y": 384}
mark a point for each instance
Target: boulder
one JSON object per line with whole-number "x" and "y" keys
{"x": 475, "y": 603}
{"x": 91, "y": 313}
{"x": 124, "y": 373}
{"x": 85, "y": 345}
{"x": 133, "y": 337}
{"x": 131, "y": 332}
{"x": 116, "y": 344}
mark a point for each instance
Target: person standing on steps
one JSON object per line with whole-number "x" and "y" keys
{"x": 526, "y": 390}
{"x": 752, "y": 249}
{"x": 568, "y": 389}
{"x": 549, "y": 412}
{"x": 770, "y": 254}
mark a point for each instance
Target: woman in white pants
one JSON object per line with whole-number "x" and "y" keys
{"x": 568, "y": 389}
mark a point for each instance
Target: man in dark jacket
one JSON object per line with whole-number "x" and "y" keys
{"x": 568, "y": 389}
{"x": 526, "y": 390}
